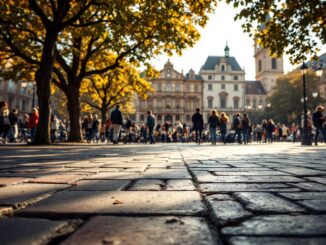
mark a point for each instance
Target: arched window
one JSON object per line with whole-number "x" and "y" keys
{"x": 187, "y": 117}
{"x": 142, "y": 117}
{"x": 222, "y": 68}
{"x": 209, "y": 102}
{"x": 274, "y": 64}
{"x": 236, "y": 102}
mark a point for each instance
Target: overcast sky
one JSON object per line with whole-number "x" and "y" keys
{"x": 220, "y": 29}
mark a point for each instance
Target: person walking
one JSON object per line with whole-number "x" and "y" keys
{"x": 198, "y": 125}
{"x": 33, "y": 122}
{"x": 13, "y": 119}
{"x": 213, "y": 122}
{"x": 54, "y": 127}
{"x": 318, "y": 121}
{"x": 236, "y": 124}
{"x": 150, "y": 124}
{"x": 224, "y": 120}
{"x": 270, "y": 128}
{"x": 245, "y": 122}
{"x": 96, "y": 124}
{"x": 117, "y": 121}
{"x": 4, "y": 121}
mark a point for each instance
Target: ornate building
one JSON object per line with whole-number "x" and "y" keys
{"x": 175, "y": 97}
{"x": 224, "y": 84}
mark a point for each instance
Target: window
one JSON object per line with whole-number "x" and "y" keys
{"x": 259, "y": 65}
{"x": 236, "y": 103}
{"x": 254, "y": 103}
{"x": 159, "y": 87}
{"x": 210, "y": 87}
{"x": 177, "y": 87}
{"x": 159, "y": 117}
{"x": 274, "y": 64}
{"x": 210, "y": 103}
{"x": 168, "y": 103}
{"x": 168, "y": 87}
{"x": 223, "y": 78}
{"x": 24, "y": 105}
{"x": 142, "y": 117}
{"x": 196, "y": 88}
{"x": 159, "y": 103}
{"x": 177, "y": 117}
{"x": 210, "y": 77}
{"x": 222, "y": 86}
{"x": 142, "y": 104}
{"x": 222, "y": 68}
{"x": 223, "y": 101}
{"x": 236, "y": 87}
{"x": 236, "y": 78}
{"x": 188, "y": 118}
{"x": 11, "y": 86}
{"x": 188, "y": 87}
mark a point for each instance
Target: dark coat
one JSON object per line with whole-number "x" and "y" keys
{"x": 150, "y": 121}
{"x": 116, "y": 117}
{"x": 198, "y": 121}
{"x": 213, "y": 121}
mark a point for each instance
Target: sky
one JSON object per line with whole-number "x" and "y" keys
{"x": 220, "y": 29}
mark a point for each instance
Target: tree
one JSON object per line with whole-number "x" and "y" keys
{"x": 287, "y": 94}
{"x": 118, "y": 86}
{"x": 293, "y": 26}
{"x": 131, "y": 30}
{"x": 28, "y": 34}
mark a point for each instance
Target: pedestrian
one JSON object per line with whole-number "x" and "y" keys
{"x": 270, "y": 128}
{"x": 236, "y": 125}
{"x": 150, "y": 124}
{"x": 4, "y": 121}
{"x": 245, "y": 123}
{"x": 127, "y": 128}
{"x": 96, "y": 124}
{"x": 285, "y": 132}
{"x": 33, "y": 122}
{"x": 117, "y": 122}
{"x": 13, "y": 119}
{"x": 318, "y": 121}
{"x": 224, "y": 120}
{"x": 89, "y": 128}
{"x": 294, "y": 131}
{"x": 54, "y": 126}
{"x": 198, "y": 125}
{"x": 214, "y": 122}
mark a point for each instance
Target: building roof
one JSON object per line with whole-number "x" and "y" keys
{"x": 319, "y": 63}
{"x": 255, "y": 87}
{"x": 211, "y": 62}
{"x": 196, "y": 77}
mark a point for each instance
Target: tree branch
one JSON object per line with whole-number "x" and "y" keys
{"x": 33, "y": 5}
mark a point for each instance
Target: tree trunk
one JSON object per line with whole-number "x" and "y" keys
{"x": 74, "y": 114}
{"x": 43, "y": 81}
{"x": 103, "y": 115}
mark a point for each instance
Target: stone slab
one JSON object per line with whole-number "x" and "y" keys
{"x": 166, "y": 174}
{"x": 226, "y": 212}
{"x": 310, "y": 186}
{"x": 321, "y": 180}
{"x": 180, "y": 185}
{"x": 305, "y": 195}
{"x": 143, "y": 231}
{"x": 315, "y": 205}
{"x": 57, "y": 179}
{"x": 285, "y": 225}
{"x": 17, "y": 231}
{"x": 115, "y": 175}
{"x": 250, "y": 173}
{"x": 299, "y": 171}
{"x": 22, "y": 194}
{"x": 251, "y": 179}
{"x": 239, "y": 187}
{"x": 5, "y": 181}
{"x": 147, "y": 185}
{"x": 242, "y": 240}
{"x": 87, "y": 203}
{"x": 99, "y": 185}
{"x": 266, "y": 202}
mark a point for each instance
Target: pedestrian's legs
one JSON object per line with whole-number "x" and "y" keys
{"x": 116, "y": 131}
{"x": 317, "y": 134}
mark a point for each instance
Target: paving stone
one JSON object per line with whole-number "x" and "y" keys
{"x": 302, "y": 171}
{"x": 220, "y": 197}
{"x": 99, "y": 185}
{"x": 22, "y": 194}
{"x": 224, "y": 212}
{"x": 245, "y": 165}
{"x": 238, "y": 187}
{"x": 86, "y": 203}
{"x": 286, "y": 225}
{"x": 321, "y": 180}
{"x": 305, "y": 195}
{"x": 110, "y": 168}
{"x": 166, "y": 174}
{"x": 248, "y": 179}
{"x": 147, "y": 185}
{"x": 143, "y": 231}
{"x": 266, "y": 202}
{"x": 115, "y": 175}
{"x": 315, "y": 205}
{"x": 5, "y": 181}
{"x": 180, "y": 185}
{"x": 57, "y": 179}
{"x": 251, "y": 173}
{"x": 17, "y": 231}
{"x": 242, "y": 240}
{"x": 310, "y": 186}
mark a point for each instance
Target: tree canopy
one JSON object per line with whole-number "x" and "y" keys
{"x": 291, "y": 26}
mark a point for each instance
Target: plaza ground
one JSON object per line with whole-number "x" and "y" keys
{"x": 163, "y": 194}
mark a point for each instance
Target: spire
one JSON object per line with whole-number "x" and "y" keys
{"x": 226, "y": 50}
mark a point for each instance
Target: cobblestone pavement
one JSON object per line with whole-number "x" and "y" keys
{"x": 163, "y": 194}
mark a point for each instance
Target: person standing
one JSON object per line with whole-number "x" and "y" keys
{"x": 224, "y": 120}
{"x": 117, "y": 121}
{"x": 54, "y": 126}
{"x": 245, "y": 122}
{"x": 270, "y": 128}
{"x": 96, "y": 124}
{"x": 13, "y": 119}
{"x": 198, "y": 125}
{"x": 33, "y": 122}
{"x": 4, "y": 121}
{"x": 236, "y": 124}
{"x": 213, "y": 121}
{"x": 150, "y": 124}
{"x": 318, "y": 121}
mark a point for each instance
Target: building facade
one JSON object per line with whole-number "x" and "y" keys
{"x": 223, "y": 84}
{"x": 175, "y": 97}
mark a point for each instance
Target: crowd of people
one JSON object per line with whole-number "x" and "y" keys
{"x": 219, "y": 128}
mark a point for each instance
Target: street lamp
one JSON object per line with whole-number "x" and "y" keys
{"x": 268, "y": 105}
{"x": 305, "y": 139}
{"x": 314, "y": 95}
